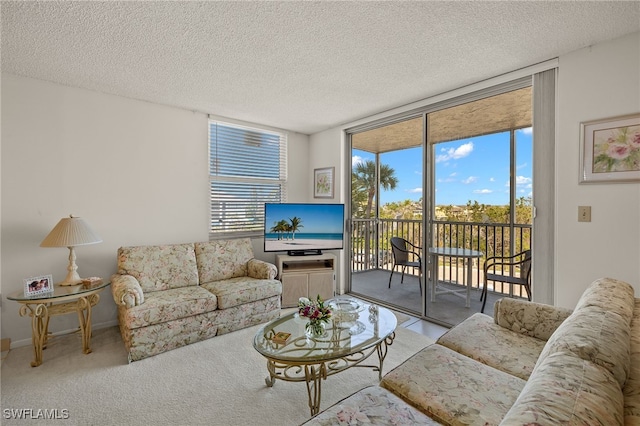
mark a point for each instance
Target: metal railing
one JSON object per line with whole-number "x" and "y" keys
{"x": 371, "y": 248}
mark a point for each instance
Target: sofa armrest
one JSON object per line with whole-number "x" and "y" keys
{"x": 126, "y": 291}
{"x": 261, "y": 269}
{"x": 529, "y": 318}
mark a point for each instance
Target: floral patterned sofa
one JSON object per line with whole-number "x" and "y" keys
{"x": 173, "y": 295}
{"x": 531, "y": 364}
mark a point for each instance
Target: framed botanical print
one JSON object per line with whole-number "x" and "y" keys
{"x": 323, "y": 182}
{"x": 610, "y": 150}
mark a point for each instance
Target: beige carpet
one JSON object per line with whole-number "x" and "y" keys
{"x": 216, "y": 382}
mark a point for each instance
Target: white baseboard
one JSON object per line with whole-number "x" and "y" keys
{"x": 29, "y": 341}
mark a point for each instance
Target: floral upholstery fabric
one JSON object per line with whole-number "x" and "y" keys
{"x": 480, "y": 338}
{"x": 371, "y": 406}
{"x": 240, "y": 290}
{"x": 631, "y": 388}
{"x": 261, "y": 269}
{"x": 528, "y": 318}
{"x": 596, "y": 333}
{"x": 163, "y": 306}
{"x": 223, "y": 259}
{"x": 154, "y": 339}
{"x": 159, "y": 267}
{"x": 452, "y": 388}
{"x": 608, "y": 294}
{"x": 568, "y": 390}
{"x": 147, "y": 341}
{"x": 126, "y": 291}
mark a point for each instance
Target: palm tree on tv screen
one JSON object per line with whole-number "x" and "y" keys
{"x": 296, "y": 224}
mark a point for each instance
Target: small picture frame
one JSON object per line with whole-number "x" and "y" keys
{"x": 35, "y": 286}
{"x": 323, "y": 182}
{"x": 610, "y": 150}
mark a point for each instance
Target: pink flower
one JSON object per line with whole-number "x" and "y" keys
{"x": 635, "y": 141}
{"x": 618, "y": 151}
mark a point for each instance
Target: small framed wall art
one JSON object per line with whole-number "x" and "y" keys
{"x": 323, "y": 182}
{"x": 610, "y": 150}
{"x": 34, "y": 286}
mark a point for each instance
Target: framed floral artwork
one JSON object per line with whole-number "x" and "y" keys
{"x": 610, "y": 150}
{"x": 323, "y": 182}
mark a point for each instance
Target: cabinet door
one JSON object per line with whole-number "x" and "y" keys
{"x": 321, "y": 283}
{"x": 294, "y": 286}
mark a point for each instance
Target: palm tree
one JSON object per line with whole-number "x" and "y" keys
{"x": 280, "y": 227}
{"x": 296, "y": 224}
{"x": 365, "y": 177}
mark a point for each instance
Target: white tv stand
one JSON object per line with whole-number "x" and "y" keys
{"x": 306, "y": 276}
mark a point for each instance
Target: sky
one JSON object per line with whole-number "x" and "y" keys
{"x": 475, "y": 169}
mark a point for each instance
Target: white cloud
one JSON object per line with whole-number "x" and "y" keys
{"x": 470, "y": 179}
{"x": 415, "y": 191}
{"x": 492, "y": 179}
{"x": 523, "y": 180}
{"x": 356, "y": 159}
{"x": 455, "y": 153}
{"x": 527, "y": 130}
{"x": 482, "y": 191}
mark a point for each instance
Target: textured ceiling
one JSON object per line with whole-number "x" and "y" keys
{"x": 302, "y": 66}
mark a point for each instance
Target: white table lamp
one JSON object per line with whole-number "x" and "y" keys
{"x": 71, "y": 232}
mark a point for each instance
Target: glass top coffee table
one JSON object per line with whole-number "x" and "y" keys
{"x": 355, "y": 331}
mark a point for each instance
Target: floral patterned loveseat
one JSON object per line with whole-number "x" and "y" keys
{"x": 531, "y": 364}
{"x": 173, "y": 295}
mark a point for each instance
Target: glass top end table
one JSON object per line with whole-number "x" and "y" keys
{"x": 62, "y": 300}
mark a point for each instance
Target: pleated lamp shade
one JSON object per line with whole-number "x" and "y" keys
{"x": 71, "y": 232}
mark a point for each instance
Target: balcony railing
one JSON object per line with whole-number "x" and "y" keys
{"x": 371, "y": 247}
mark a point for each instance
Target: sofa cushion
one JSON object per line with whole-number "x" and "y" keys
{"x": 529, "y": 318}
{"x": 608, "y": 294}
{"x": 480, "y": 338}
{"x": 452, "y": 388}
{"x": 631, "y": 388}
{"x": 372, "y": 405}
{"x": 597, "y": 336}
{"x": 223, "y": 259}
{"x": 159, "y": 267}
{"x": 566, "y": 389}
{"x": 163, "y": 306}
{"x": 240, "y": 290}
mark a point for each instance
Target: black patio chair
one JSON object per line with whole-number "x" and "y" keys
{"x": 401, "y": 250}
{"x": 518, "y": 262}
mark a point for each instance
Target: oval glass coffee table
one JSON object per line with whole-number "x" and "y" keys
{"x": 355, "y": 331}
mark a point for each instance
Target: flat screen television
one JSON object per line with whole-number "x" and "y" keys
{"x": 303, "y": 228}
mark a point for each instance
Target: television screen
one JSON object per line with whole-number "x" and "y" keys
{"x": 303, "y": 228}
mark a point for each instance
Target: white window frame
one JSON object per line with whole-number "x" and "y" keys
{"x": 240, "y": 183}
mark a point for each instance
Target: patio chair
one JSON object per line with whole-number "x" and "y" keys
{"x": 497, "y": 264}
{"x": 401, "y": 249}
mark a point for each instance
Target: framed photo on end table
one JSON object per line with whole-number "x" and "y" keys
{"x": 323, "y": 182}
{"x": 38, "y": 285}
{"x": 610, "y": 150}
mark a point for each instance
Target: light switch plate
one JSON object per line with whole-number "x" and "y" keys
{"x": 584, "y": 213}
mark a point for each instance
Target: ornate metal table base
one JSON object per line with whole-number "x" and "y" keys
{"x": 41, "y": 312}
{"x": 314, "y": 372}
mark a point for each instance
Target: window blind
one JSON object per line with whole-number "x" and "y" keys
{"x": 247, "y": 168}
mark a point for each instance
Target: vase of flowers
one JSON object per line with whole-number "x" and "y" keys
{"x": 317, "y": 313}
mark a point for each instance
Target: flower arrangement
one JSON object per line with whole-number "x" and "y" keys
{"x": 317, "y": 312}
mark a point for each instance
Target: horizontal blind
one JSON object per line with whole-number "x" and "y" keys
{"x": 247, "y": 168}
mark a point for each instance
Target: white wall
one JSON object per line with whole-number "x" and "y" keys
{"x": 136, "y": 171}
{"x": 597, "y": 82}
{"x": 325, "y": 152}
